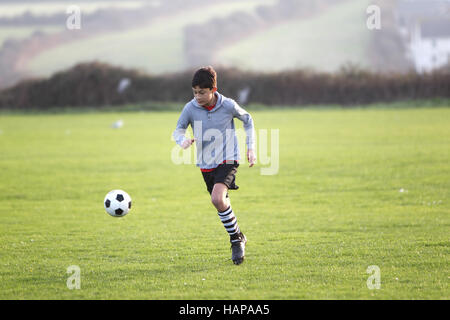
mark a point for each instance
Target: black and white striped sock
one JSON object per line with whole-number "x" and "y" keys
{"x": 229, "y": 221}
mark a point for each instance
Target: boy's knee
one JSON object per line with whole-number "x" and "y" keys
{"x": 219, "y": 202}
{"x": 219, "y": 197}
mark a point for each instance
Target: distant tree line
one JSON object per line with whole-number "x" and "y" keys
{"x": 104, "y": 18}
{"x": 96, "y": 85}
{"x": 387, "y": 49}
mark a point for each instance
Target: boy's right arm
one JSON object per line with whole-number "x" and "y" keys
{"x": 180, "y": 130}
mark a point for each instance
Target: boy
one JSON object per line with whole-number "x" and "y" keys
{"x": 211, "y": 115}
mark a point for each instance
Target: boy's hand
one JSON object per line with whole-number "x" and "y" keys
{"x": 251, "y": 157}
{"x": 187, "y": 143}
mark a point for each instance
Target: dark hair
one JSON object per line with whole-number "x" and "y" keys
{"x": 204, "y": 78}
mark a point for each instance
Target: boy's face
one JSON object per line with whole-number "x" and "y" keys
{"x": 204, "y": 96}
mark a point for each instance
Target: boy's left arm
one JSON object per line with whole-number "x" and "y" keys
{"x": 246, "y": 118}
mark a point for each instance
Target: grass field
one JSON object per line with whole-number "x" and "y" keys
{"x": 334, "y": 208}
{"x": 155, "y": 47}
{"x": 324, "y": 42}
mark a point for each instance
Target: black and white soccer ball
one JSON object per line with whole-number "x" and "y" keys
{"x": 117, "y": 203}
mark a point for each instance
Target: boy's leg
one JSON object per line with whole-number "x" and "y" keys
{"x": 219, "y": 197}
{"x": 237, "y": 238}
{"x": 224, "y": 210}
{"x": 218, "y": 182}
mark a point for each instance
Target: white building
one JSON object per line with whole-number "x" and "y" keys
{"x": 425, "y": 26}
{"x": 430, "y": 45}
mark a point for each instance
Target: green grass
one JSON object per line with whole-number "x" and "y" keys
{"x": 333, "y": 209}
{"x": 324, "y": 42}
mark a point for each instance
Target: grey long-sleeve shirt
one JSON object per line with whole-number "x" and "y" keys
{"x": 214, "y": 130}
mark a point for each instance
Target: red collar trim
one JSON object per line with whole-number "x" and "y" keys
{"x": 209, "y": 108}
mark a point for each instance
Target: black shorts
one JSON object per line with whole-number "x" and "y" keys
{"x": 224, "y": 173}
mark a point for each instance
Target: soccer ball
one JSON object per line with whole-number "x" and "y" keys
{"x": 117, "y": 203}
